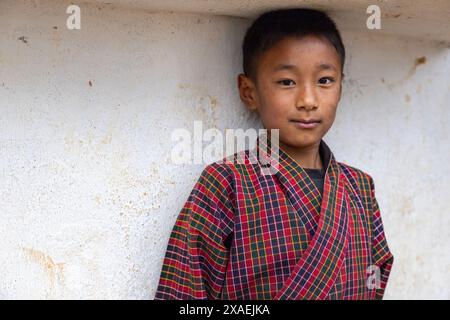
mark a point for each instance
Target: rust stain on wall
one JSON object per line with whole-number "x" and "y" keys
{"x": 417, "y": 62}
{"x": 391, "y": 15}
{"x": 55, "y": 271}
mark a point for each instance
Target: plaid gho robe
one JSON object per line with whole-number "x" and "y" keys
{"x": 246, "y": 235}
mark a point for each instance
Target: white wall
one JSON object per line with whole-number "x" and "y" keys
{"x": 88, "y": 192}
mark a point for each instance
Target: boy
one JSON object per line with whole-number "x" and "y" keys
{"x": 312, "y": 230}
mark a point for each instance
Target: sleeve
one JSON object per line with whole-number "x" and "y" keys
{"x": 381, "y": 255}
{"x": 197, "y": 253}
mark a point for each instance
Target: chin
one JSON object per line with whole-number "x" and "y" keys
{"x": 304, "y": 140}
{"x": 301, "y": 142}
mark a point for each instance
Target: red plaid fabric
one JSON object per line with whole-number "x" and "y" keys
{"x": 247, "y": 235}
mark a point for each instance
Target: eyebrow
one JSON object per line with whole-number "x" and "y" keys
{"x": 283, "y": 66}
{"x": 326, "y": 66}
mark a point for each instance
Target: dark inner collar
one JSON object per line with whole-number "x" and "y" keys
{"x": 315, "y": 173}
{"x": 325, "y": 157}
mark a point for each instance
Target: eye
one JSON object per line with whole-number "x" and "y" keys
{"x": 286, "y": 82}
{"x": 326, "y": 80}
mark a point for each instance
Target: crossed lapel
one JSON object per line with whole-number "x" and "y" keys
{"x": 316, "y": 271}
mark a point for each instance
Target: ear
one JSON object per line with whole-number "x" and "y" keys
{"x": 247, "y": 92}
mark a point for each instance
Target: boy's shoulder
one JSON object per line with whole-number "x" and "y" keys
{"x": 224, "y": 171}
{"x": 363, "y": 180}
{"x": 355, "y": 172}
{"x": 235, "y": 164}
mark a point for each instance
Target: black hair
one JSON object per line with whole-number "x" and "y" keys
{"x": 274, "y": 26}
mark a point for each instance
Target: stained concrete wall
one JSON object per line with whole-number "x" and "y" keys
{"x": 88, "y": 192}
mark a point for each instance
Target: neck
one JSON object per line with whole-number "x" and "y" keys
{"x": 306, "y": 157}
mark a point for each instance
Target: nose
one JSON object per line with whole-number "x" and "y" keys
{"x": 306, "y": 98}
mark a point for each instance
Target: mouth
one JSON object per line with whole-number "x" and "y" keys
{"x": 305, "y": 123}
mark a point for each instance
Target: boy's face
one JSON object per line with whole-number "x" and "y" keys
{"x": 297, "y": 79}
